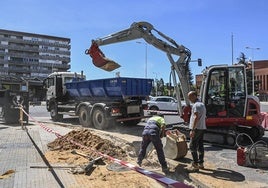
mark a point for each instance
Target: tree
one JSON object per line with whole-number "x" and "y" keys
{"x": 161, "y": 85}
{"x": 242, "y": 59}
{"x": 160, "y": 88}
{"x": 190, "y": 75}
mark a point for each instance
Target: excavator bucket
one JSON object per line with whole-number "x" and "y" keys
{"x": 99, "y": 59}
{"x": 176, "y": 145}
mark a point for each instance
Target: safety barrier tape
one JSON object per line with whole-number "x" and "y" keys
{"x": 162, "y": 112}
{"x": 158, "y": 177}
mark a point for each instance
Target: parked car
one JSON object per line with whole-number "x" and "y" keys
{"x": 163, "y": 103}
{"x": 239, "y": 95}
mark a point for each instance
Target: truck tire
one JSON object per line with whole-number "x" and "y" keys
{"x": 84, "y": 118}
{"x": 54, "y": 114}
{"x": 99, "y": 119}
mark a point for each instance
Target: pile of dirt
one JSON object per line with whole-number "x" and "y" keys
{"x": 60, "y": 152}
{"x": 93, "y": 143}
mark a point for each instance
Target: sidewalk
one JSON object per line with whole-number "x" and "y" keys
{"x": 19, "y": 151}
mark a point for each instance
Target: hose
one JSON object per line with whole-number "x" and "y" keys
{"x": 252, "y": 151}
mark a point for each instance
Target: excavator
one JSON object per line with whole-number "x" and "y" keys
{"x": 230, "y": 110}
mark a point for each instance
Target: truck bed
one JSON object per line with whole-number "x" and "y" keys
{"x": 120, "y": 87}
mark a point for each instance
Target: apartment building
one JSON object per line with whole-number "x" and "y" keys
{"x": 26, "y": 59}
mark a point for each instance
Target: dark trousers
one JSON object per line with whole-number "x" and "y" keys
{"x": 155, "y": 139}
{"x": 197, "y": 146}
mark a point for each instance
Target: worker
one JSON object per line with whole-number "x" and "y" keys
{"x": 153, "y": 132}
{"x": 197, "y": 127}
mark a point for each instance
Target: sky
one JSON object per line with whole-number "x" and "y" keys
{"x": 209, "y": 28}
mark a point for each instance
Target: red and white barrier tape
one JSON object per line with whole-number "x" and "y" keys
{"x": 158, "y": 177}
{"x": 162, "y": 112}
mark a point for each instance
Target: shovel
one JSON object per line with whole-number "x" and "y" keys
{"x": 89, "y": 168}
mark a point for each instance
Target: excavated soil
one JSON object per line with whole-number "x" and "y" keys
{"x": 89, "y": 143}
{"x": 61, "y": 152}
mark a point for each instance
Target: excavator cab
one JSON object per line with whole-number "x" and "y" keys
{"x": 230, "y": 110}
{"x": 99, "y": 59}
{"x": 225, "y": 92}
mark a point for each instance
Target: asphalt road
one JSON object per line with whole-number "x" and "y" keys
{"x": 40, "y": 113}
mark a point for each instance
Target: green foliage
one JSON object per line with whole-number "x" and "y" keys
{"x": 242, "y": 60}
{"x": 162, "y": 88}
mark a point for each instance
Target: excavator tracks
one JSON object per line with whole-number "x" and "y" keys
{"x": 222, "y": 136}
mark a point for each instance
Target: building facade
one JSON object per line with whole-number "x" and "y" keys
{"x": 26, "y": 59}
{"x": 261, "y": 77}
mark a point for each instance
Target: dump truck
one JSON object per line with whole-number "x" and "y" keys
{"x": 101, "y": 103}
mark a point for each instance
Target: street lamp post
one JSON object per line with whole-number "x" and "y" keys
{"x": 139, "y": 42}
{"x": 252, "y": 67}
{"x": 156, "y": 90}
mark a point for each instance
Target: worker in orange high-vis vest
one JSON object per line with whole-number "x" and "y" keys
{"x": 153, "y": 132}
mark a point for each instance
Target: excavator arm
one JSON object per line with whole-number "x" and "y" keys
{"x": 145, "y": 30}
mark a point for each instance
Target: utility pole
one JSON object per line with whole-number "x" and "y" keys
{"x": 156, "y": 90}
{"x": 232, "y": 43}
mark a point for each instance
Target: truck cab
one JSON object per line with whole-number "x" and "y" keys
{"x": 55, "y": 83}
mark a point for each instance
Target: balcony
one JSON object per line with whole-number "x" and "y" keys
{"x": 19, "y": 70}
{"x": 23, "y": 41}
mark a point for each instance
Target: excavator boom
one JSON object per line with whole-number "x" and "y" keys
{"x": 145, "y": 30}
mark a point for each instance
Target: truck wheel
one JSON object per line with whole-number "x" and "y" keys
{"x": 99, "y": 119}
{"x": 54, "y": 114}
{"x": 84, "y": 117}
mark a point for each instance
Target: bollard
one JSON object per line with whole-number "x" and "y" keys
{"x": 21, "y": 118}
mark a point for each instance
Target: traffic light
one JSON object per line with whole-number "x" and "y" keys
{"x": 199, "y": 62}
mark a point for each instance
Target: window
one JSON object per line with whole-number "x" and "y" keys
{"x": 35, "y": 39}
{"x": 163, "y": 99}
{"x": 49, "y": 82}
{"x": 226, "y": 92}
{"x": 68, "y": 79}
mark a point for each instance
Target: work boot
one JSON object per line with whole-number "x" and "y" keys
{"x": 139, "y": 163}
{"x": 165, "y": 169}
{"x": 201, "y": 166}
{"x": 193, "y": 168}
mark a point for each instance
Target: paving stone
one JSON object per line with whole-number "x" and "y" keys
{"x": 17, "y": 152}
